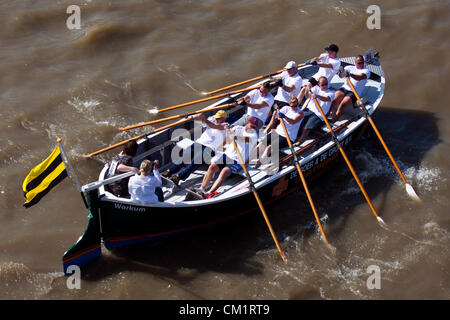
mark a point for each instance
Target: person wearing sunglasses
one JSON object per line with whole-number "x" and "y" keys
{"x": 258, "y": 103}
{"x": 289, "y": 83}
{"x": 344, "y": 96}
{"x": 312, "y": 118}
{"x": 328, "y": 63}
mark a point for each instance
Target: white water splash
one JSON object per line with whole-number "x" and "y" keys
{"x": 17, "y": 281}
{"x": 428, "y": 179}
{"x": 82, "y": 105}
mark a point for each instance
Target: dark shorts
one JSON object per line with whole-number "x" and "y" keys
{"x": 348, "y": 93}
{"x": 282, "y": 141}
{"x": 233, "y": 165}
{"x": 313, "y": 81}
{"x": 279, "y": 103}
{"x": 310, "y": 121}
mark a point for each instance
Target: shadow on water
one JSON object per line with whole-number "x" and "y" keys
{"x": 230, "y": 247}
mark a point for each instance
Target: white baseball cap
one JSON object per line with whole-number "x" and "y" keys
{"x": 291, "y": 64}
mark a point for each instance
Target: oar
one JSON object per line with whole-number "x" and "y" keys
{"x": 300, "y": 173}
{"x": 409, "y": 189}
{"x": 134, "y": 138}
{"x": 206, "y": 99}
{"x": 245, "y": 82}
{"x": 178, "y": 116}
{"x": 255, "y": 193}
{"x": 249, "y": 80}
{"x": 349, "y": 164}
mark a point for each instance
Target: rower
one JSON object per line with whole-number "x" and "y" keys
{"x": 258, "y": 102}
{"x": 312, "y": 118}
{"x": 292, "y": 116}
{"x": 344, "y": 96}
{"x": 212, "y": 138}
{"x": 328, "y": 63}
{"x": 228, "y": 163}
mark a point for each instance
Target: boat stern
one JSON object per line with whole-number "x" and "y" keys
{"x": 88, "y": 246}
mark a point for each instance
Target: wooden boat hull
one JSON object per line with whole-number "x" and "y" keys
{"x": 117, "y": 222}
{"x": 124, "y": 224}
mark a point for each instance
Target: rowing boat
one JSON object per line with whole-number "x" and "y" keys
{"x": 115, "y": 222}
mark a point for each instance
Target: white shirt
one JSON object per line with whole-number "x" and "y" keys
{"x": 292, "y": 129}
{"x": 327, "y": 72}
{"x": 324, "y": 105}
{"x": 358, "y": 84}
{"x": 142, "y": 189}
{"x": 288, "y": 81}
{"x": 255, "y": 97}
{"x": 212, "y": 138}
{"x": 245, "y": 148}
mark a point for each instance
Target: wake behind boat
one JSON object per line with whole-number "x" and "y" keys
{"x": 116, "y": 221}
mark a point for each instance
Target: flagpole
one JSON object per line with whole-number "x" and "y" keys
{"x": 72, "y": 172}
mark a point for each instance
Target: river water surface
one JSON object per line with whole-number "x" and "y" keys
{"x": 132, "y": 56}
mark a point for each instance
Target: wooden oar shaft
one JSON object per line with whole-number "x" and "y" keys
{"x": 134, "y": 138}
{"x": 175, "y": 117}
{"x": 251, "y": 80}
{"x": 206, "y": 99}
{"x": 376, "y": 131}
{"x": 305, "y": 186}
{"x": 346, "y": 159}
{"x": 245, "y": 82}
{"x": 258, "y": 200}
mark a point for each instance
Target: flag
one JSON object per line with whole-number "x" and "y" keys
{"x": 43, "y": 178}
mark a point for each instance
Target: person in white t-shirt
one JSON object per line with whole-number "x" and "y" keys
{"x": 289, "y": 83}
{"x": 344, "y": 96}
{"x": 292, "y": 117}
{"x": 328, "y": 63}
{"x": 229, "y": 162}
{"x": 142, "y": 187}
{"x": 213, "y": 138}
{"x": 258, "y": 102}
{"x": 313, "y": 119}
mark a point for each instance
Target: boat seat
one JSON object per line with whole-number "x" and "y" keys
{"x": 288, "y": 152}
{"x": 334, "y": 125}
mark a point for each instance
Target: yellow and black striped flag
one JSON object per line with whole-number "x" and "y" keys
{"x": 43, "y": 178}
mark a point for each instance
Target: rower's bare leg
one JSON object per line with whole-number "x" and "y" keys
{"x": 344, "y": 103}
{"x": 272, "y": 124}
{"x": 225, "y": 173}
{"x": 304, "y": 135}
{"x": 303, "y": 92}
{"x": 338, "y": 96}
{"x": 212, "y": 169}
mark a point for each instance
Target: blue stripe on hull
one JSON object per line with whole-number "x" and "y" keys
{"x": 82, "y": 259}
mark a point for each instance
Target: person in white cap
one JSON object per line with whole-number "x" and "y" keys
{"x": 289, "y": 83}
{"x": 328, "y": 63}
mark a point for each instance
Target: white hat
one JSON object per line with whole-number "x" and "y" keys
{"x": 291, "y": 64}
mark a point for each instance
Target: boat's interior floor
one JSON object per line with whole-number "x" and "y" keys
{"x": 179, "y": 193}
